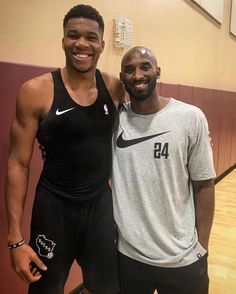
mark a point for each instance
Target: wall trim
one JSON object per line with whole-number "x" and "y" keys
{"x": 225, "y": 173}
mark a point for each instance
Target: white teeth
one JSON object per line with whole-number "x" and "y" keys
{"x": 79, "y": 55}
{"x": 141, "y": 85}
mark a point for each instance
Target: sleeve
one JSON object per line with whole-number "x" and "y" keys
{"x": 200, "y": 155}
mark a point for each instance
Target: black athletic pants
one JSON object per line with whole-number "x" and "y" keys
{"x": 140, "y": 278}
{"x": 63, "y": 230}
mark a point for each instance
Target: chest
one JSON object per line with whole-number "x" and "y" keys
{"x": 152, "y": 139}
{"x": 71, "y": 122}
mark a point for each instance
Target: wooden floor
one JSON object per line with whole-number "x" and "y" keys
{"x": 222, "y": 250}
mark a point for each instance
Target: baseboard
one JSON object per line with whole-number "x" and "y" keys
{"x": 220, "y": 177}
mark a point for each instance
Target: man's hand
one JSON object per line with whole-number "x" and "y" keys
{"x": 23, "y": 260}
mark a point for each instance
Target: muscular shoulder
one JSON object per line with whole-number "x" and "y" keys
{"x": 36, "y": 94}
{"x": 114, "y": 87}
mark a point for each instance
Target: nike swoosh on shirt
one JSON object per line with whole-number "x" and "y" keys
{"x": 58, "y": 112}
{"x": 122, "y": 143}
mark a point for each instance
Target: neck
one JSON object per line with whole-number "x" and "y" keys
{"x": 147, "y": 106}
{"x": 150, "y": 105}
{"x": 78, "y": 79}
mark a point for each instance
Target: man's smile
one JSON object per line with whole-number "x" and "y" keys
{"x": 140, "y": 85}
{"x": 82, "y": 56}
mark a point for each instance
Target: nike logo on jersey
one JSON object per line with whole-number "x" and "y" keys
{"x": 122, "y": 143}
{"x": 58, "y": 112}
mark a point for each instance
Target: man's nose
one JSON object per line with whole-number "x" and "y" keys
{"x": 138, "y": 74}
{"x": 81, "y": 42}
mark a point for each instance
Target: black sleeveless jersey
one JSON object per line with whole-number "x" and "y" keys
{"x": 76, "y": 142}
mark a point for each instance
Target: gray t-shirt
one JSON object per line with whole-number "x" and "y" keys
{"x": 155, "y": 157}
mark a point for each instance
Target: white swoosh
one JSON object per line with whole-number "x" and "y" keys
{"x": 58, "y": 112}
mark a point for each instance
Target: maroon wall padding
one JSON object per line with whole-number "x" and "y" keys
{"x": 212, "y": 109}
{"x": 227, "y": 133}
{"x": 185, "y": 93}
{"x": 208, "y": 101}
{"x": 233, "y": 143}
{"x": 198, "y": 97}
{"x": 219, "y": 107}
{"x": 169, "y": 90}
{"x": 12, "y": 76}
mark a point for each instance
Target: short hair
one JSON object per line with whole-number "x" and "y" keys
{"x": 85, "y": 11}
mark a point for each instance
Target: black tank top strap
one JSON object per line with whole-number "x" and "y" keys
{"x": 101, "y": 83}
{"x": 55, "y": 74}
{"x": 61, "y": 96}
{"x": 57, "y": 79}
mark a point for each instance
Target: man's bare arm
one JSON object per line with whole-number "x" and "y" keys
{"x": 204, "y": 197}
{"x": 23, "y": 132}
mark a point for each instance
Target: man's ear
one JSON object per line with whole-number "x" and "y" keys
{"x": 103, "y": 45}
{"x": 158, "y": 72}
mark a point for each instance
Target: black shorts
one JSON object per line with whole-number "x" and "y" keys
{"x": 63, "y": 230}
{"x": 140, "y": 278}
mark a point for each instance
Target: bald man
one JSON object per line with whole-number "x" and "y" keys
{"x": 163, "y": 188}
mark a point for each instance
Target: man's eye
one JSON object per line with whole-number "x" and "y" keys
{"x": 145, "y": 67}
{"x": 72, "y": 36}
{"x": 128, "y": 70}
{"x": 92, "y": 38}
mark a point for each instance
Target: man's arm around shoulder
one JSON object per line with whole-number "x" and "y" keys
{"x": 115, "y": 88}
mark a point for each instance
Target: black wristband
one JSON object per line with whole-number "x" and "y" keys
{"x": 18, "y": 244}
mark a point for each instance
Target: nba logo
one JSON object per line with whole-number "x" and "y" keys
{"x": 105, "y": 109}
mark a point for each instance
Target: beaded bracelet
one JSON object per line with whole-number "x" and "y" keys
{"x": 18, "y": 244}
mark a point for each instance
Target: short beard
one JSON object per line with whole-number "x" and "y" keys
{"x": 144, "y": 95}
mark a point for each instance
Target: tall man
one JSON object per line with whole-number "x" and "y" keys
{"x": 163, "y": 186}
{"x": 71, "y": 113}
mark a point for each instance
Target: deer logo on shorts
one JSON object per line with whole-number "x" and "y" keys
{"x": 45, "y": 246}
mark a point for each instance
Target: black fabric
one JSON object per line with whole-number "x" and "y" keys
{"x": 140, "y": 278}
{"x": 76, "y": 142}
{"x": 64, "y": 230}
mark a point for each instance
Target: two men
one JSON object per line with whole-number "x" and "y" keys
{"x": 71, "y": 112}
{"x": 162, "y": 174}
{"x": 163, "y": 189}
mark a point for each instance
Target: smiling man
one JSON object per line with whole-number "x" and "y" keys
{"x": 71, "y": 112}
{"x": 163, "y": 188}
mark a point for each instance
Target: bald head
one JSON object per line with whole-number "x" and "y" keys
{"x": 139, "y": 72}
{"x": 138, "y": 51}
